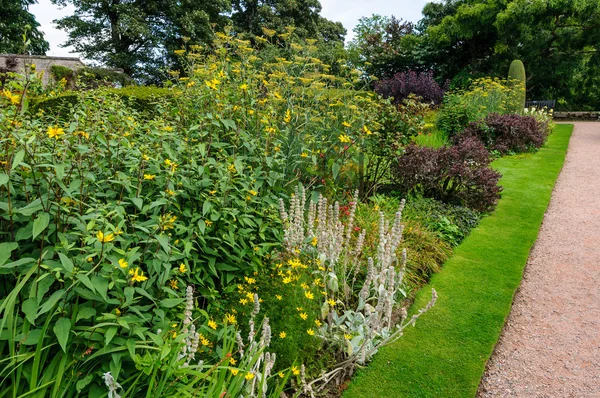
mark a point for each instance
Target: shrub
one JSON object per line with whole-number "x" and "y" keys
{"x": 517, "y": 80}
{"x": 484, "y": 96}
{"x": 507, "y": 133}
{"x": 403, "y": 84}
{"x": 459, "y": 174}
{"x": 453, "y": 223}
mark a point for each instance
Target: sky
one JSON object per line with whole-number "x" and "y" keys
{"x": 348, "y": 12}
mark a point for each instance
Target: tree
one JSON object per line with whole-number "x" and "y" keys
{"x": 139, "y": 35}
{"x": 16, "y": 19}
{"x": 251, "y": 16}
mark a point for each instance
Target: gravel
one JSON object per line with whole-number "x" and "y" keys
{"x": 550, "y": 346}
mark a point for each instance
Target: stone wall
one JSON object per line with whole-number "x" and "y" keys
{"x": 42, "y": 63}
{"x": 577, "y": 115}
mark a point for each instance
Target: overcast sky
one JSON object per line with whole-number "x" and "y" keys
{"x": 345, "y": 11}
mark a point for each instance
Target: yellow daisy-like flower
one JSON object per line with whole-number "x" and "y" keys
{"x": 318, "y": 323}
{"x": 231, "y": 168}
{"x": 55, "y": 132}
{"x": 366, "y": 130}
{"x": 212, "y": 324}
{"x": 304, "y": 315}
{"x": 288, "y": 116}
{"x": 105, "y": 238}
{"x": 299, "y": 309}
{"x": 295, "y": 371}
{"x": 182, "y": 268}
{"x": 204, "y": 341}
{"x": 208, "y": 223}
{"x": 309, "y": 295}
{"x": 249, "y": 376}
{"x": 278, "y": 297}
{"x": 344, "y": 138}
{"x": 347, "y": 336}
{"x": 244, "y": 87}
{"x": 282, "y": 335}
{"x": 149, "y": 176}
{"x": 117, "y": 311}
{"x": 173, "y": 284}
{"x": 304, "y": 154}
{"x": 234, "y": 371}
{"x": 230, "y": 318}
{"x": 243, "y": 301}
{"x": 212, "y": 192}
{"x": 12, "y": 97}
{"x": 314, "y": 241}
{"x": 123, "y": 263}
{"x": 346, "y": 124}
{"x": 287, "y": 280}
{"x": 138, "y": 276}
{"x": 232, "y": 361}
{"x": 281, "y": 374}
{"x": 310, "y": 332}
{"x": 331, "y": 302}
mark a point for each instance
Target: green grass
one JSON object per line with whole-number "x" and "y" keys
{"x": 433, "y": 139}
{"x": 445, "y": 355}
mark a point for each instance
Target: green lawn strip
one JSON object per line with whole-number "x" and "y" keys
{"x": 445, "y": 355}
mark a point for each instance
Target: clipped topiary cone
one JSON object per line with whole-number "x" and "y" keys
{"x": 516, "y": 72}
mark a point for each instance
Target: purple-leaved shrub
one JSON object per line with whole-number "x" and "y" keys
{"x": 403, "y": 84}
{"x": 458, "y": 174}
{"x": 507, "y": 133}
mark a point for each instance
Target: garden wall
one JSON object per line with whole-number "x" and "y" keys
{"x": 16, "y": 63}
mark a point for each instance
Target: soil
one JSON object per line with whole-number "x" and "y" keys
{"x": 550, "y": 346}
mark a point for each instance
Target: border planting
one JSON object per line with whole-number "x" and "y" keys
{"x": 446, "y": 355}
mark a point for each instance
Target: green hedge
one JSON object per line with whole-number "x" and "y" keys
{"x": 142, "y": 99}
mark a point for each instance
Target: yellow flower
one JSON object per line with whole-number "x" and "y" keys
{"x": 310, "y": 332}
{"x": 212, "y": 192}
{"x": 204, "y": 341}
{"x": 232, "y": 361}
{"x": 281, "y": 374}
{"x": 243, "y": 301}
{"x": 117, "y": 311}
{"x": 190, "y": 84}
{"x": 234, "y": 371}
{"x": 244, "y": 87}
{"x": 212, "y": 324}
{"x": 149, "y": 176}
{"x": 287, "y": 280}
{"x": 314, "y": 241}
{"x": 173, "y": 284}
{"x": 288, "y": 116}
{"x": 299, "y": 309}
{"x": 170, "y": 192}
{"x": 282, "y": 335}
{"x": 346, "y": 124}
{"x": 55, "y": 132}
{"x": 105, "y": 238}
{"x": 253, "y": 192}
{"x": 278, "y": 297}
{"x": 182, "y": 268}
{"x": 366, "y": 130}
{"x": 347, "y": 336}
{"x": 331, "y": 302}
{"x": 123, "y": 263}
{"x": 231, "y": 168}
{"x": 208, "y": 223}
{"x": 318, "y": 322}
{"x": 230, "y": 318}
{"x": 12, "y": 97}
{"x": 344, "y": 138}
{"x": 303, "y": 315}
{"x": 295, "y": 371}
{"x": 304, "y": 154}
{"x": 309, "y": 295}
{"x": 138, "y": 276}
{"x": 249, "y": 376}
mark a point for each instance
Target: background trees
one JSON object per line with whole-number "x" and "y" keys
{"x": 15, "y": 18}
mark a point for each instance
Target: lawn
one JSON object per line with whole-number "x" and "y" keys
{"x": 445, "y": 355}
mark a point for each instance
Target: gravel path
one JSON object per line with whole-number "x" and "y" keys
{"x": 550, "y": 346}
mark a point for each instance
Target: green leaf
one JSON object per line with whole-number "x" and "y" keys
{"x": 101, "y": 285}
{"x": 61, "y": 330}
{"x": 164, "y": 242}
{"x": 48, "y": 305}
{"x": 85, "y": 313}
{"x": 129, "y": 294}
{"x": 29, "y": 308}
{"x": 40, "y": 224}
{"x": 206, "y": 207}
{"x": 130, "y": 344}
{"x": 3, "y": 179}
{"x": 19, "y": 262}
{"x": 60, "y": 171}
{"x": 335, "y": 168}
{"x": 86, "y": 281}
{"x": 138, "y": 202}
{"x": 31, "y": 208}
{"x": 18, "y": 159}
{"x": 66, "y": 262}
{"x": 230, "y": 124}
{"x": 110, "y": 333}
{"x": 6, "y": 249}
{"x": 82, "y": 383}
{"x": 172, "y": 302}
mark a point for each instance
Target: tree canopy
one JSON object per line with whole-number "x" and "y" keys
{"x": 16, "y": 19}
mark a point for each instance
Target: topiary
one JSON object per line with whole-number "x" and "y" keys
{"x": 517, "y": 78}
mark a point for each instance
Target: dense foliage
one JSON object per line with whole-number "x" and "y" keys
{"x": 507, "y": 133}
{"x": 516, "y": 72}
{"x": 17, "y": 21}
{"x": 459, "y": 174}
{"x": 403, "y": 84}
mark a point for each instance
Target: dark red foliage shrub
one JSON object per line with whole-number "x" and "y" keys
{"x": 507, "y": 133}
{"x": 405, "y": 83}
{"x": 459, "y": 174}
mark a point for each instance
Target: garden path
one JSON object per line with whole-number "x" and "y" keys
{"x": 550, "y": 346}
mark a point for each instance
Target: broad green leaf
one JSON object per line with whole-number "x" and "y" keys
{"x": 18, "y": 159}
{"x": 164, "y": 242}
{"x": 60, "y": 171}
{"x": 172, "y": 302}
{"x": 335, "y": 168}
{"x": 6, "y": 249}
{"x": 130, "y": 344}
{"x": 61, "y": 330}
{"x": 29, "y": 308}
{"x": 49, "y": 304}
{"x": 129, "y": 294}
{"x": 82, "y": 383}
{"x": 85, "y": 313}
{"x": 138, "y": 202}
{"x": 101, "y": 285}
{"x": 110, "y": 333}
{"x": 3, "y": 179}
{"x": 66, "y": 262}
{"x": 19, "y": 262}
{"x": 40, "y": 224}
{"x": 86, "y": 281}
{"x": 31, "y": 208}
